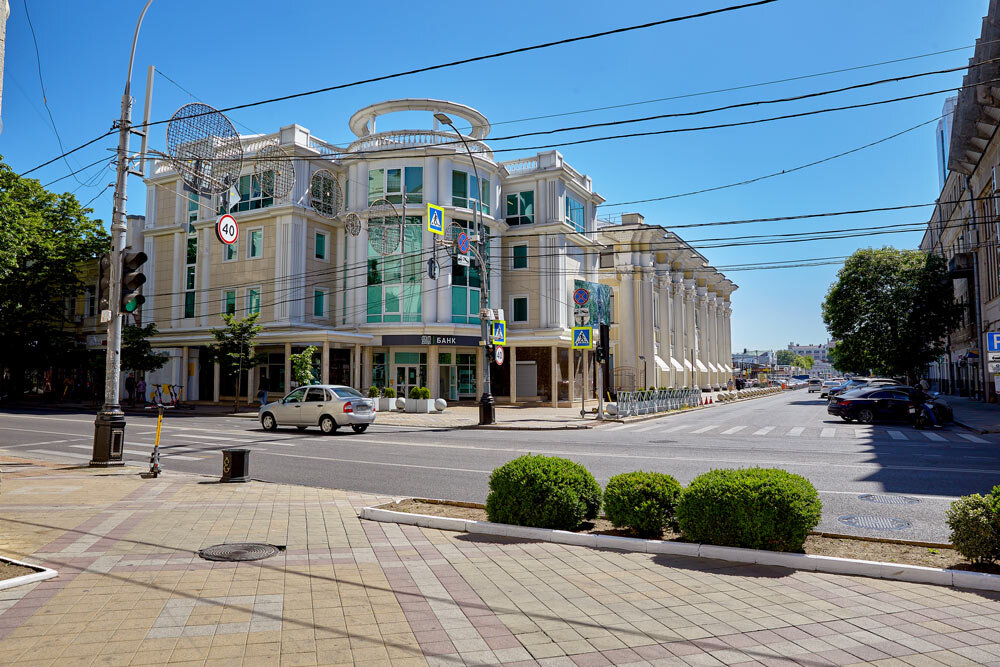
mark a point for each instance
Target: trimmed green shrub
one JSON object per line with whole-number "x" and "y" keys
{"x": 389, "y": 392}
{"x": 754, "y": 508}
{"x": 543, "y": 491}
{"x": 414, "y": 392}
{"x": 643, "y": 501}
{"x": 975, "y": 526}
{"x": 373, "y": 392}
{"x": 425, "y": 393}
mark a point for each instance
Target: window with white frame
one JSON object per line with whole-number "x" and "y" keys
{"x": 464, "y": 187}
{"x": 575, "y": 214}
{"x": 89, "y": 302}
{"x": 519, "y": 256}
{"x": 253, "y": 300}
{"x": 255, "y": 243}
{"x": 190, "y": 271}
{"x": 466, "y": 281}
{"x": 231, "y": 252}
{"x": 252, "y": 196}
{"x": 519, "y": 308}
{"x": 193, "y": 210}
{"x": 321, "y": 301}
{"x": 392, "y": 184}
{"x": 320, "y": 246}
{"x": 520, "y": 208}
{"x": 229, "y": 302}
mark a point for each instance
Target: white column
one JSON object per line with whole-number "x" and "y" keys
{"x": 288, "y": 367}
{"x": 433, "y": 372}
{"x": 184, "y": 373}
{"x": 679, "y": 346}
{"x": 689, "y": 334}
{"x": 703, "y": 377}
{"x": 554, "y": 377}
{"x": 325, "y": 373}
{"x": 356, "y": 368}
{"x": 512, "y": 360}
{"x": 666, "y": 318}
{"x": 216, "y": 382}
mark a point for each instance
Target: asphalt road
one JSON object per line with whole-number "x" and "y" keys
{"x": 915, "y": 474}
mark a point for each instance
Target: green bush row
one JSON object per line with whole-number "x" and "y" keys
{"x": 975, "y": 526}
{"x": 759, "y": 508}
{"x": 420, "y": 392}
{"x": 384, "y": 392}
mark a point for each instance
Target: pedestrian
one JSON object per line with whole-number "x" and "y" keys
{"x": 130, "y": 388}
{"x": 140, "y": 389}
{"x": 262, "y": 395}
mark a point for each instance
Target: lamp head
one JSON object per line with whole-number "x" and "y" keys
{"x": 442, "y": 118}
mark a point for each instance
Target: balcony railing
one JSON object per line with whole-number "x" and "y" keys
{"x": 416, "y": 139}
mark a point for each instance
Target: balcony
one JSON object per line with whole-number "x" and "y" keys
{"x": 960, "y": 265}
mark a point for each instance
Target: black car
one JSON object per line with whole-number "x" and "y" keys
{"x": 871, "y": 404}
{"x": 859, "y": 383}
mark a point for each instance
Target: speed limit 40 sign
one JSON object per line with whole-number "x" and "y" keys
{"x": 227, "y": 229}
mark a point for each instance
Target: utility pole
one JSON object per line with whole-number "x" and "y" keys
{"x": 109, "y": 427}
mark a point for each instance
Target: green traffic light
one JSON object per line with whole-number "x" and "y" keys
{"x": 134, "y": 304}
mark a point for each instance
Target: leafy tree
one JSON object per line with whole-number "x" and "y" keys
{"x": 890, "y": 311}
{"x": 785, "y": 357}
{"x": 44, "y": 237}
{"x": 235, "y": 348}
{"x": 302, "y": 366}
{"x": 802, "y": 361}
{"x": 137, "y": 352}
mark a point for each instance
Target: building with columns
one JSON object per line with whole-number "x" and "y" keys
{"x": 381, "y": 319}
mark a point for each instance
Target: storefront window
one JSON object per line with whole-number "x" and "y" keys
{"x": 467, "y": 374}
{"x": 379, "y": 369}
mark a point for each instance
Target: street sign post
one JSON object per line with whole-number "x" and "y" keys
{"x": 994, "y": 367}
{"x": 581, "y": 296}
{"x": 435, "y": 219}
{"x": 993, "y": 341}
{"x": 499, "y": 332}
{"x": 583, "y": 338}
{"x": 499, "y": 354}
{"x": 993, "y": 356}
{"x": 227, "y": 229}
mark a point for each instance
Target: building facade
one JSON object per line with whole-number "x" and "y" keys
{"x": 380, "y": 318}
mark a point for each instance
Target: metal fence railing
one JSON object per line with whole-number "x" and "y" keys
{"x": 632, "y": 403}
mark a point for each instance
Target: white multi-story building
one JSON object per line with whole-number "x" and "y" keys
{"x": 381, "y": 319}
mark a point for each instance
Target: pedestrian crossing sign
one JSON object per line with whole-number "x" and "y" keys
{"x": 499, "y": 332}
{"x": 435, "y": 219}
{"x": 583, "y": 338}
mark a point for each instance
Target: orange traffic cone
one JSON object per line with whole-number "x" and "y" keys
{"x": 711, "y": 401}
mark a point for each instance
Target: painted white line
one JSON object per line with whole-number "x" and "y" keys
{"x": 735, "y": 429}
{"x": 46, "y": 442}
{"x": 897, "y": 435}
{"x": 163, "y": 452}
{"x": 828, "y": 433}
{"x": 648, "y": 428}
{"x": 764, "y": 431}
{"x": 618, "y": 428}
{"x": 933, "y": 436}
{"x": 972, "y": 438}
{"x": 679, "y": 427}
{"x": 49, "y": 452}
{"x": 797, "y": 431}
{"x": 863, "y": 433}
{"x": 704, "y": 429}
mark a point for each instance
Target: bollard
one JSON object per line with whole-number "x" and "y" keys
{"x": 235, "y": 465}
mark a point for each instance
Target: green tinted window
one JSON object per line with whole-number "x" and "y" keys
{"x": 520, "y": 256}
{"x": 521, "y": 309}
{"x": 415, "y": 185}
{"x": 444, "y": 358}
{"x": 192, "y": 250}
{"x": 459, "y": 189}
{"x": 189, "y": 304}
{"x": 320, "y": 246}
{"x": 376, "y": 185}
{"x": 230, "y": 303}
{"x": 407, "y": 357}
{"x": 318, "y": 308}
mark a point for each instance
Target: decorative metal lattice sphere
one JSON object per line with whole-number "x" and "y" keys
{"x": 324, "y": 193}
{"x": 204, "y": 147}
{"x": 274, "y": 170}
{"x": 352, "y": 223}
{"x": 385, "y": 228}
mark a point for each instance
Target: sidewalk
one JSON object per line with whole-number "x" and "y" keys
{"x": 132, "y": 590}
{"x": 975, "y": 415}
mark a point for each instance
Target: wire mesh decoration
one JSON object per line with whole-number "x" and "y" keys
{"x": 274, "y": 170}
{"x": 324, "y": 193}
{"x": 205, "y": 148}
{"x": 385, "y": 227}
{"x": 352, "y": 223}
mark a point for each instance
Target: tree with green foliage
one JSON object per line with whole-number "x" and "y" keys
{"x": 302, "y": 366}
{"x": 784, "y": 357}
{"x": 235, "y": 349}
{"x": 890, "y": 311}
{"x": 44, "y": 238}
{"x": 137, "y": 352}
{"x": 802, "y": 361}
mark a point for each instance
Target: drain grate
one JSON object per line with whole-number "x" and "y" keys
{"x": 888, "y": 500}
{"x": 238, "y": 551}
{"x": 874, "y": 522}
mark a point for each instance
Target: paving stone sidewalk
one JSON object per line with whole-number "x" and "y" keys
{"x": 132, "y": 590}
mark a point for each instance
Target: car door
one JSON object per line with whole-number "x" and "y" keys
{"x": 313, "y": 406}
{"x": 288, "y": 412}
{"x": 900, "y": 404}
{"x": 879, "y": 403}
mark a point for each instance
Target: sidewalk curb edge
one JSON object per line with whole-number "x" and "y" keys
{"x": 42, "y": 573}
{"x": 806, "y": 562}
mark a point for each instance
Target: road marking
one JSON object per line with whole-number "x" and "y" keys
{"x": 863, "y": 433}
{"x": 735, "y": 429}
{"x": 972, "y": 438}
{"x": 796, "y": 431}
{"x": 619, "y": 427}
{"x": 648, "y": 428}
{"x": 163, "y": 452}
{"x": 828, "y": 433}
{"x": 764, "y": 431}
{"x": 933, "y": 436}
{"x": 71, "y": 455}
{"x": 703, "y": 429}
{"x": 897, "y": 435}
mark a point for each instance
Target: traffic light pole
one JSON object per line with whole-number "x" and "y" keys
{"x": 109, "y": 427}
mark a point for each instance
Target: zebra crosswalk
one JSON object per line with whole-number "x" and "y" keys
{"x": 892, "y": 433}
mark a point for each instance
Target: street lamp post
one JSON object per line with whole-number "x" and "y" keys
{"x": 109, "y": 426}
{"x": 487, "y": 406}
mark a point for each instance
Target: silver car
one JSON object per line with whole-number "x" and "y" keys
{"x": 328, "y": 406}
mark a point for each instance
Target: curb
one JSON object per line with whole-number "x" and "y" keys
{"x": 41, "y": 574}
{"x": 656, "y": 415}
{"x": 974, "y": 429}
{"x": 805, "y": 562}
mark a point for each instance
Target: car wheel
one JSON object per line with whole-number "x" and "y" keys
{"x": 268, "y": 422}
{"x": 359, "y": 428}
{"x": 866, "y": 416}
{"x": 327, "y": 425}
{"x": 301, "y": 428}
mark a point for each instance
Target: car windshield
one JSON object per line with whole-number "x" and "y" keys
{"x": 347, "y": 392}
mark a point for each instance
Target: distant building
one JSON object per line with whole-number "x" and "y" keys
{"x": 943, "y": 137}
{"x": 818, "y": 353}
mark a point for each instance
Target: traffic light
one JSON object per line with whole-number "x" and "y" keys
{"x": 132, "y": 280}
{"x": 104, "y": 283}
{"x": 604, "y": 345}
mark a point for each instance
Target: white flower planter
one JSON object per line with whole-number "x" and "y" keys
{"x": 386, "y": 404}
{"x": 420, "y": 405}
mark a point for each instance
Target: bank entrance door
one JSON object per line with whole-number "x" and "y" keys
{"x": 406, "y": 379}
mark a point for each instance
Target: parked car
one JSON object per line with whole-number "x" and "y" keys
{"x": 855, "y": 383}
{"x": 827, "y": 386}
{"x": 870, "y": 404}
{"x": 815, "y": 384}
{"x": 328, "y": 406}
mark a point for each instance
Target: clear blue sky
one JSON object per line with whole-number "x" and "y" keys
{"x": 234, "y": 52}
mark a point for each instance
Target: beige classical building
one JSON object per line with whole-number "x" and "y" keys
{"x": 381, "y": 318}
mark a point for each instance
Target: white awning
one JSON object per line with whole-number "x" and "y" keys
{"x": 712, "y": 367}
{"x": 676, "y": 364}
{"x": 687, "y": 363}
{"x": 729, "y": 368}
{"x": 661, "y": 364}
{"x": 700, "y": 366}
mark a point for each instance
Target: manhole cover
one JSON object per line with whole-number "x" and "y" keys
{"x": 240, "y": 551}
{"x": 888, "y": 500}
{"x": 874, "y": 522}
